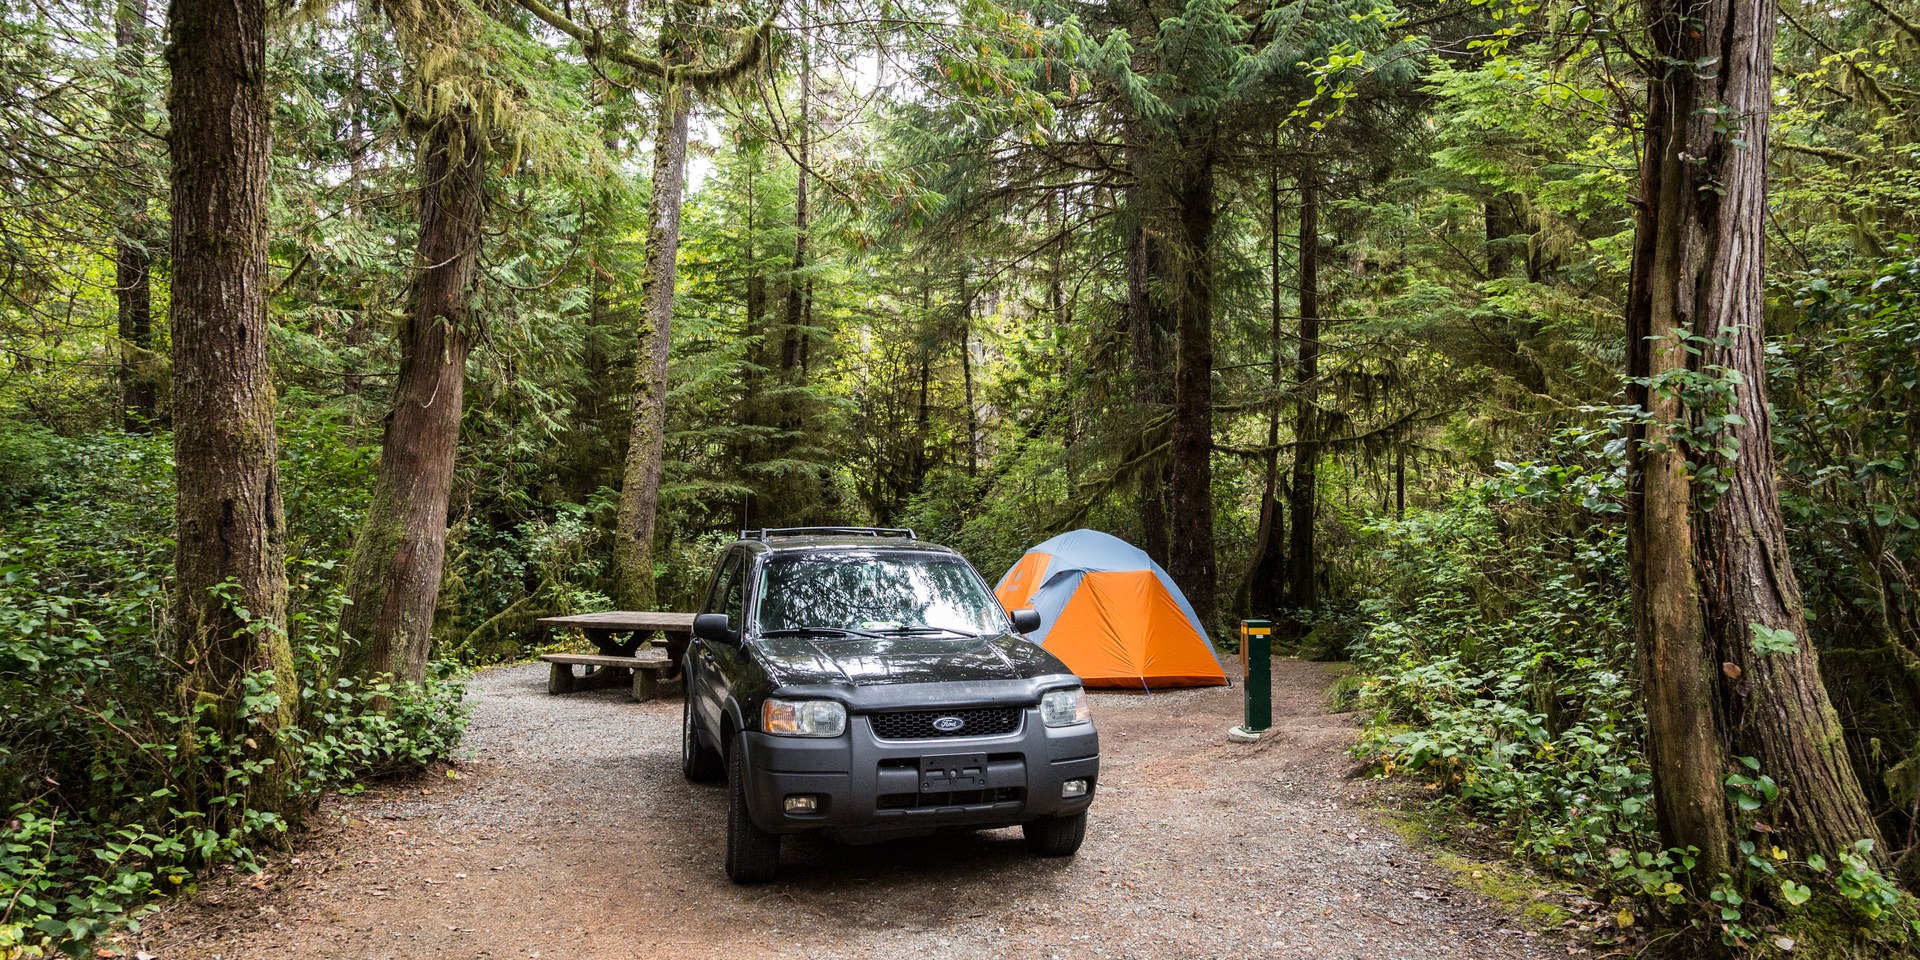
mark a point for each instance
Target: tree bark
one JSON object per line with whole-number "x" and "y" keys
{"x": 133, "y": 262}
{"x": 1265, "y": 571}
{"x": 230, "y": 589}
{"x": 966, "y": 376}
{"x": 1710, "y": 564}
{"x": 792, "y": 331}
{"x": 1191, "y": 490}
{"x": 1303, "y": 490}
{"x": 393, "y": 577}
{"x": 1146, "y": 319}
{"x": 646, "y": 446}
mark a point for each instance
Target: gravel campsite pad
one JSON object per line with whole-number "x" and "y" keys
{"x": 569, "y": 832}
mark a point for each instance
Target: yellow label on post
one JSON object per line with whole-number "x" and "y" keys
{"x": 1259, "y": 631}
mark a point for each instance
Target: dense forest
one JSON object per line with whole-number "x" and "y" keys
{"x": 1556, "y": 363}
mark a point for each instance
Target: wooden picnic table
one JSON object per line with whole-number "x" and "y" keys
{"x": 619, "y": 634}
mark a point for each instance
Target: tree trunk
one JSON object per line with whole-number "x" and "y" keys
{"x": 647, "y": 445}
{"x": 1709, "y": 564}
{"x": 792, "y": 331}
{"x": 230, "y": 589}
{"x": 922, "y": 432}
{"x": 1191, "y": 491}
{"x": 1266, "y": 568}
{"x": 1302, "y": 507}
{"x": 1510, "y": 335}
{"x": 393, "y": 578}
{"x": 1145, "y": 321}
{"x": 966, "y": 376}
{"x": 1400, "y": 483}
{"x": 133, "y": 263}
{"x": 1501, "y": 225}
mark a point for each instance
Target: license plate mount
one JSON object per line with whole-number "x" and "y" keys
{"x": 953, "y": 771}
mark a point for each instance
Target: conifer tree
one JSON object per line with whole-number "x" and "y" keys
{"x": 230, "y": 588}
{"x": 678, "y": 71}
{"x": 1724, "y": 649}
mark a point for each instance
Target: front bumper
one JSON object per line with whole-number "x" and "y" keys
{"x": 869, "y": 788}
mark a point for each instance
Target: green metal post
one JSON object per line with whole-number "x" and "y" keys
{"x": 1256, "y": 661}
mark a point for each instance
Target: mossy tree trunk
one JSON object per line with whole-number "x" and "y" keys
{"x": 646, "y": 445}
{"x": 1707, "y": 543}
{"x": 393, "y": 578}
{"x": 230, "y": 589}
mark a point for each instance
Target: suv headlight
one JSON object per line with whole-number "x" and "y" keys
{"x": 1061, "y": 708}
{"x": 803, "y": 718}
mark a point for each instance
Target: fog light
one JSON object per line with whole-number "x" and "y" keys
{"x": 808, "y": 803}
{"x": 1068, "y": 790}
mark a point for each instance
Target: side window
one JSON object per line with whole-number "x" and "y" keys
{"x": 736, "y": 592}
{"x": 723, "y": 584}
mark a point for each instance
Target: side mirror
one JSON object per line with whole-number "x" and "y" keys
{"x": 715, "y": 627}
{"x": 1026, "y": 620}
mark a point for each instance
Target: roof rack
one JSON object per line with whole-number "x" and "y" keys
{"x": 770, "y": 532}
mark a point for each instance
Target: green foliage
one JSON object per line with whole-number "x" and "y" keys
{"x": 1500, "y": 636}
{"x": 1498, "y": 667}
{"x": 94, "y": 741}
{"x": 1844, "y": 375}
{"x": 1768, "y": 641}
{"x": 961, "y": 347}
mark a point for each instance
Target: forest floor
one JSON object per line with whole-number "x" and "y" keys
{"x": 567, "y": 831}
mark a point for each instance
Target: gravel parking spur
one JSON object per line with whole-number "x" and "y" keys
{"x": 569, "y": 832}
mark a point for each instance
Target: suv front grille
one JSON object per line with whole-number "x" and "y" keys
{"x": 919, "y": 724}
{"x": 951, "y": 798}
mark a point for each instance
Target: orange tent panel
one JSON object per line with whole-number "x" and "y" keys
{"x": 1017, "y": 588}
{"x": 1121, "y": 628}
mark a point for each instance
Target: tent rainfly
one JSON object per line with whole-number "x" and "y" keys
{"x": 1111, "y": 614}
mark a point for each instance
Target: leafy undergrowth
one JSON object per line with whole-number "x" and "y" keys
{"x": 1477, "y": 857}
{"x": 1497, "y": 670}
{"x": 94, "y": 738}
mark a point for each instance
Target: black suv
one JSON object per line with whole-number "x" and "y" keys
{"x": 859, "y": 682}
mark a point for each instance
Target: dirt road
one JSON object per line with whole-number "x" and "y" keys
{"x": 570, "y": 833}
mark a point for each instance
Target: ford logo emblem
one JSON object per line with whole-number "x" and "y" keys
{"x": 948, "y": 724}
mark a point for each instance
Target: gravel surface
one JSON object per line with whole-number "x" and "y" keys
{"x": 570, "y": 833}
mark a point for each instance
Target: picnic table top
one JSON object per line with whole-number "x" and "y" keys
{"x": 601, "y": 660}
{"x": 624, "y": 620}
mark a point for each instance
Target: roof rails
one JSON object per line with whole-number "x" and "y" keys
{"x": 770, "y": 532}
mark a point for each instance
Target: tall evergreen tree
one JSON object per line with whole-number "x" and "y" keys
{"x": 678, "y": 71}
{"x": 230, "y": 587}
{"x": 1724, "y": 650}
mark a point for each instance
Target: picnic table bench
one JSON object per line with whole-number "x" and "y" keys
{"x": 619, "y": 636}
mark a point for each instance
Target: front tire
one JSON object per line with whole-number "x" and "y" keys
{"x": 753, "y": 854}
{"x": 700, "y": 763}
{"x": 1056, "y": 836}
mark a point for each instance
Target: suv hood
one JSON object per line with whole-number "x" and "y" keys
{"x": 877, "y": 661}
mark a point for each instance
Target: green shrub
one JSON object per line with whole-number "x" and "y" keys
{"x": 92, "y": 732}
{"x": 1499, "y": 655}
{"x": 1498, "y": 666}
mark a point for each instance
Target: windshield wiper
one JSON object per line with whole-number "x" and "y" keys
{"x": 917, "y": 631}
{"x": 817, "y": 631}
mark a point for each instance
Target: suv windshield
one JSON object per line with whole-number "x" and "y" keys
{"x": 876, "y": 593}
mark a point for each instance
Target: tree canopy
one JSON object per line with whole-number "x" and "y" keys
{"x": 1556, "y": 363}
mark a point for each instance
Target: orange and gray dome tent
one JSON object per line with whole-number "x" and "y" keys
{"x": 1111, "y": 614}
